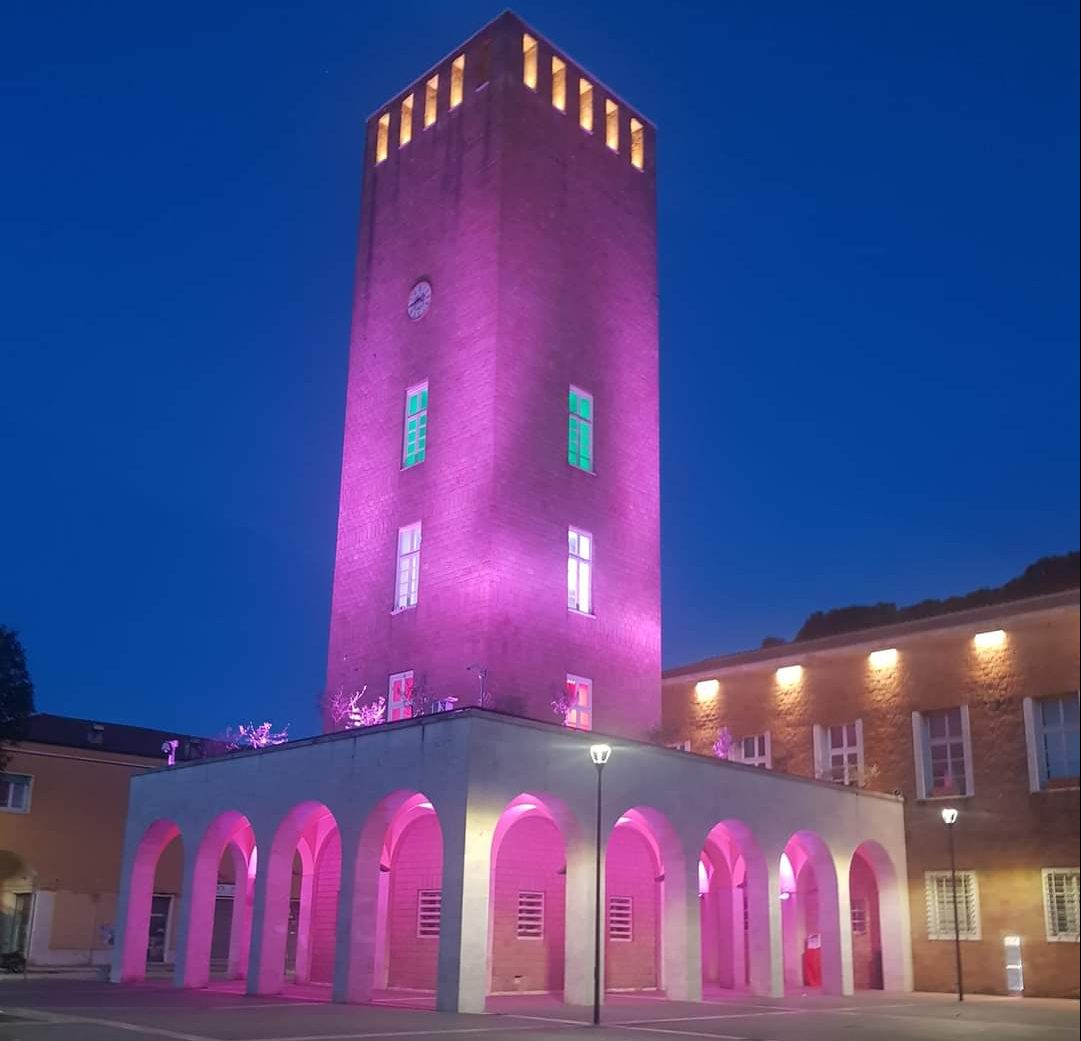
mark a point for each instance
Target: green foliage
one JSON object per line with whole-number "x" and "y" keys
{"x": 1047, "y": 575}
{"x": 16, "y": 690}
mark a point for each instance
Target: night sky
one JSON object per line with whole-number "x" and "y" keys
{"x": 869, "y": 318}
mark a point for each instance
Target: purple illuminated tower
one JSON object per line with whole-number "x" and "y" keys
{"x": 499, "y": 500}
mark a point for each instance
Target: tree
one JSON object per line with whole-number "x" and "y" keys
{"x": 16, "y": 691}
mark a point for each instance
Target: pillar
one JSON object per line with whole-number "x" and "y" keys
{"x": 462, "y": 980}
{"x": 834, "y": 924}
{"x": 681, "y": 944}
{"x": 765, "y": 953}
{"x": 578, "y": 932}
{"x": 198, "y": 894}
{"x": 358, "y": 926}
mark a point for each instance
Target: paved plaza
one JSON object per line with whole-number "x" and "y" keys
{"x": 62, "y": 1009}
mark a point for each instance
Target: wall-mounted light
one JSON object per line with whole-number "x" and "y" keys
{"x": 993, "y": 638}
{"x": 705, "y": 690}
{"x": 884, "y": 659}
{"x": 789, "y": 674}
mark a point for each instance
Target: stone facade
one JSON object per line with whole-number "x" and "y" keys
{"x": 539, "y": 242}
{"x": 1010, "y": 827}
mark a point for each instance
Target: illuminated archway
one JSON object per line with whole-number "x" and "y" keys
{"x": 149, "y": 925}
{"x": 810, "y": 923}
{"x": 879, "y": 928}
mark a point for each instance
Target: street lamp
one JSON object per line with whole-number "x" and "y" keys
{"x": 600, "y": 754}
{"x": 949, "y": 818}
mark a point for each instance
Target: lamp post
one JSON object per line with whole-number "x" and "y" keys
{"x": 600, "y": 755}
{"x": 949, "y": 818}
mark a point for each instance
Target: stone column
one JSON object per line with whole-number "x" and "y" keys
{"x": 358, "y": 911}
{"x": 196, "y": 917}
{"x": 835, "y": 926}
{"x": 682, "y": 930}
{"x": 764, "y": 947}
{"x": 580, "y": 910}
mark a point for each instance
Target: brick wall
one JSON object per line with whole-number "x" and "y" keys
{"x": 631, "y": 870}
{"x": 540, "y": 246}
{"x": 328, "y": 869}
{"x": 417, "y": 865}
{"x": 531, "y": 859}
{"x": 1006, "y": 833}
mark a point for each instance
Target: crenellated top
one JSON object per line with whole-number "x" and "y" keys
{"x": 508, "y": 47}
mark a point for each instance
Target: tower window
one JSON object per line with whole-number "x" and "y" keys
{"x": 559, "y": 84}
{"x": 415, "y": 439}
{"x": 382, "y": 133}
{"x": 457, "y": 80}
{"x": 579, "y": 571}
{"x": 405, "y": 131}
{"x": 580, "y": 429}
{"x": 408, "y": 569}
{"x": 611, "y": 124}
{"x": 580, "y": 701}
{"x": 483, "y": 63}
{"x": 529, "y": 61}
{"x": 400, "y": 696}
{"x": 431, "y": 96}
{"x": 638, "y": 144}
{"x": 585, "y": 105}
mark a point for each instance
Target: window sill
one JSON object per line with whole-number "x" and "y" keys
{"x": 403, "y": 610}
{"x": 578, "y": 469}
{"x": 580, "y": 614}
{"x": 945, "y": 798}
{"x": 12, "y": 809}
{"x": 1064, "y": 939}
{"x": 949, "y": 939}
{"x": 1049, "y": 788}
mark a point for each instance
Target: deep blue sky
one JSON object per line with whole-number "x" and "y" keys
{"x": 869, "y": 304}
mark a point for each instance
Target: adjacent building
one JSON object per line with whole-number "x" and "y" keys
{"x": 975, "y": 710}
{"x": 63, "y": 803}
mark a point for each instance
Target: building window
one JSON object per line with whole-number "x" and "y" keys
{"x": 638, "y": 144}
{"x": 1062, "y": 904}
{"x": 457, "y": 80}
{"x": 405, "y": 130}
{"x": 529, "y": 61}
{"x": 415, "y": 439}
{"x": 754, "y": 750}
{"x": 482, "y": 63}
{"x": 431, "y": 100}
{"x": 611, "y": 124}
{"x": 530, "y": 916}
{"x": 429, "y": 907}
{"x": 15, "y": 793}
{"x": 939, "y": 887}
{"x": 839, "y": 753}
{"x": 400, "y": 696}
{"x": 580, "y": 429}
{"x": 408, "y": 566}
{"x": 579, "y": 571}
{"x": 382, "y": 135}
{"x": 559, "y": 84}
{"x": 1052, "y": 737}
{"x": 579, "y": 703}
{"x": 585, "y": 105}
{"x": 620, "y": 919}
{"x": 943, "y": 750}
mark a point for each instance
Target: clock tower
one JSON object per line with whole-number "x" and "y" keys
{"x": 498, "y": 538}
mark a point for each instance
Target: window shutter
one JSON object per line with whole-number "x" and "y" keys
{"x": 821, "y": 753}
{"x": 966, "y": 733}
{"x": 769, "y": 751}
{"x": 859, "y": 747}
{"x": 919, "y": 751}
{"x": 1032, "y": 745}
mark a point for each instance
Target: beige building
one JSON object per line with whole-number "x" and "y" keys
{"x": 63, "y": 802}
{"x": 975, "y": 710}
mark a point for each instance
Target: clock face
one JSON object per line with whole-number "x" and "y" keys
{"x": 420, "y": 299}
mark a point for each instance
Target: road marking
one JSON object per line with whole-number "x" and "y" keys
{"x": 175, "y": 1035}
{"x": 431, "y": 1032}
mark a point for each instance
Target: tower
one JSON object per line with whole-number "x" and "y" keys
{"x": 499, "y": 517}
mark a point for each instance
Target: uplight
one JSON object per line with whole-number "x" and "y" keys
{"x": 993, "y": 638}
{"x": 884, "y": 659}
{"x": 789, "y": 674}
{"x": 704, "y": 690}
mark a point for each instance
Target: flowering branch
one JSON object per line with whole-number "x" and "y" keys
{"x": 252, "y": 735}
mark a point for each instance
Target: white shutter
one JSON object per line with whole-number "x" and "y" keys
{"x": 821, "y": 753}
{"x": 859, "y": 748}
{"x": 769, "y": 752}
{"x": 920, "y": 754}
{"x": 1032, "y": 745}
{"x": 966, "y": 734}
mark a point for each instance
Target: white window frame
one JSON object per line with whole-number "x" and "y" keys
{"x": 942, "y": 928}
{"x": 29, "y": 778}
{"x": 529, "y": 922}
{"x": 824, "y": 750}
{"x": 425, "y": 899}
{"x": 580, "y": 711}
{"x": 1074, "y": 877}
{"x": 581, "y": 560}
{"x": 399, "y": 707}
{"x": 623, "y": 906}
{"x": 763, "y": 754}
{"x": 407, "y": 568}
{"x": 421, "y": 416}
{"x": 922, "y": 753}
{"x": 1034, "y": 747}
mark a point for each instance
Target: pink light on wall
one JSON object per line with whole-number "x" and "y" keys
{"x": 788, "y": 877}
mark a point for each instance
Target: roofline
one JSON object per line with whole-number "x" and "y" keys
{"x": 586, "y": 737}
{"x": 458, "y": 48}
{"x": 795, "y": 651}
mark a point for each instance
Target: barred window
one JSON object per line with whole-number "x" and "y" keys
{"x": 429, "y": 906}
{"x": 530, "y": 916}
{"x": 939, "y": 887}
{"x": 621, "y": 919}
{"x": 1062, "y": 904}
